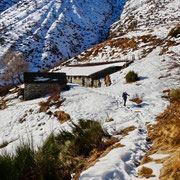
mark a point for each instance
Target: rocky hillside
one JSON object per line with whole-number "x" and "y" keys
{"x": 47, "y": 31}
{"x": 144, "y": 26}
{"x": 5, "y": 4}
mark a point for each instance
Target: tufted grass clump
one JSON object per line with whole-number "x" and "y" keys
{"x": 145, "y": 172}
{"x": 131, "y": 76}
{"x": 19, "y": 166}
{"x": 59, "y": 157}
{"x": 174, "y": 94}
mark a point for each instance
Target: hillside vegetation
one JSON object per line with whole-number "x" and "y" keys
{"x": 165, "y": 136}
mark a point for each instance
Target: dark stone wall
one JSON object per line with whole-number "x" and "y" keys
{"x": 35, "y": 90}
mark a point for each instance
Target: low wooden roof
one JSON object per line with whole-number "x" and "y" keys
{"x": 90, "y": 69}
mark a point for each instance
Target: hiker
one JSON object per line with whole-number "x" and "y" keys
{"x": 124, "y": 95}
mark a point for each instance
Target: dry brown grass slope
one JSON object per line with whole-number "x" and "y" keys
{"x": 165, "y": 136}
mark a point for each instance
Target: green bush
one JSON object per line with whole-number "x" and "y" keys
{"x": 18, "y": 166}
{"x": 131, "y": 76}
{"x": 175, "y": 95}
{"x": 6, "y": 167}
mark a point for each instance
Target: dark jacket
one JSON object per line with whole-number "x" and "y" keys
{"x": 124, "y": 95}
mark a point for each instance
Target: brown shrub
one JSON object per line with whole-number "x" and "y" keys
{"x": 4, "y": 144}
{"x": 53, "y": 100}
{"x": 175, "y": 32}
{"x": 175, "y": 94}
{"x": 62, "y": 116}
{"x": 4, "y": 90}
{"x": 136, "y": 99}
{"x": 95, "y": 53}
{"x": 3, "y": 104}
{"x": 44, "y": 106}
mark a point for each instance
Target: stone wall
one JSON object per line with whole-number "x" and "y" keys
{"x": 35, "y": 90}
{"x": 84, "y": 81}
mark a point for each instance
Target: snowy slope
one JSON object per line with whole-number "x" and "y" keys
{"x": 142, "y": 26}
{"x": 156, "y": 60}
{"x": 5, "y": 4}
{"x": 47, "y": 31}
{"x": 99, "y": 104}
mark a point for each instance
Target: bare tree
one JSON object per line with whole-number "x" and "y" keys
{"x": 15, "y": 65}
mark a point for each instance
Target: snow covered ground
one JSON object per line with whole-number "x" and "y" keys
{"x": 100, "y": 104}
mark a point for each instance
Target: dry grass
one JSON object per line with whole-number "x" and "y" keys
{"x": 3, "y": 104}
{"x": 110, "y": 120}
{"x": 96, "y": 154}
{"x": 167, "y": 45}
{"x": 62, "y": 116}
{"x": 171, "y": 167}
{"x": 109, "y": 145}
{"x": 145, "y": 172}
{"x": 53, "y": 100}
{"x": 126, "y": 131}
{"x": 123, "y": 45}
{"x": 175, "y": 95}
{"x": 175, "y": 32}
{"x": 4, "y": 100}
{"x": 137, "y": 99}
{"x": 166, "y": 140}
{"x": 21, "y": 120}
{"x": 4, "y": 144}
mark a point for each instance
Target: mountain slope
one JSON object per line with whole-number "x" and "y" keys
{"x": 142, "y": 27}
{"x": 5, "y": 4}
{"x": 48, "y": 31}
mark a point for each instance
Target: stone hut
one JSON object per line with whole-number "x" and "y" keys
{"x": 92, "y": 75}
{"x": 37, "y": 84}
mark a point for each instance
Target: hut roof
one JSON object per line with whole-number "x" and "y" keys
{"x": 88, "y": 70}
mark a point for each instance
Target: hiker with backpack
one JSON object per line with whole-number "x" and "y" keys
{"x": 124, "y": 96}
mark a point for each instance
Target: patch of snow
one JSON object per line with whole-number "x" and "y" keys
{"x": 159, "y": 156}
